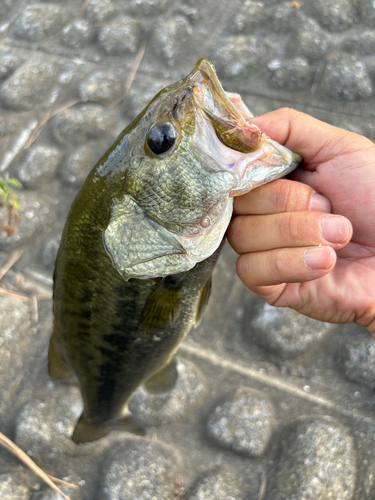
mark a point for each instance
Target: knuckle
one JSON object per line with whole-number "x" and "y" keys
{"x": 289, "y": 227}
{"x": 277, "y": 265}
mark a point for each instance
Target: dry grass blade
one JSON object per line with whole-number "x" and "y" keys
{"x": 84, "y": 6}
{"x": 65, "y": 483}
{"x": 262, "y": 488}
{"x": 45, "y": 119}
{"x": 12, "y": 260}
{"x": 133, "y": 72}
{"x": 16, "y": 295}
{"x": 13, "y": 448}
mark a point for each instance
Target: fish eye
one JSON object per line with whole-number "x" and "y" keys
{"x": 161, "y": 137}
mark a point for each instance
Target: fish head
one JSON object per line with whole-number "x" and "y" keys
{"x": 189, "y": 152}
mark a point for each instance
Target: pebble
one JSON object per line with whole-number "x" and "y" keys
{"x": 8, "y": 63}
{"x": 40, "y": 20}
{"x": 98, "y": 11}
{"x": 335, "y": 15}
{"x": 78, "y": 164}
{"x": 237, "y": 56}
{"x": 367, "y": 12}
{"x": 148, "y": 7}
{"x": 362, "y": 43}
{"x": 309, "y": 40}
{"x": 317, "y": 462}
{"x": 346, "y": 78}
{"x": 284, "y": 330}
{"x": 29, "y": 85}
{"x": 81, "y": 123}
{"x": 38, "y": 215}
{"x": 171, "y": 38}
{"x": 38, "y": 166}
{"x": 158, "y": 409}
{"x": 243, "y": 422}
{"x": 14, "y": 335}
{"x": 221, "y": 484}
{"x": 139, "y": 469}
{"x": 357, "y": 359}
{"x": 77, "y": 34}
{"x": 13, "y": 488}
{"x": 140, "y": 94}
{"x": 284, "y": 17}
{"x": 49, "y": 250}
{"x": 102, "y": 86}
{"x": 291, "y": 74}
{"x": 121, "y": 37}
{"x": 45, "y": 425}
{"x": 250, "y": 14}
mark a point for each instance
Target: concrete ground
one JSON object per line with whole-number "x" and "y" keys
{"x": 269, "y": 405}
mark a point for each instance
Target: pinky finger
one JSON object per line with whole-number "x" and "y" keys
{"x": 266, "y": 273}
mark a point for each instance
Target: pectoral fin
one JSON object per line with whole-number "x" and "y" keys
{"x": 164, "y": 379}
{"x": 161, "y": 307}
{"x": 141, "y": 248}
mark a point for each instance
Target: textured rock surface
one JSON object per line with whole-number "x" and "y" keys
{"x": 45, "y": 425}
{"x": 14, "y": 325}
{"x": 120, "y": 37}
{"x": 284, "y": 330}
{"x": 162, "y": 408}
{"x": 220, "y": 485}
{"x": 139, "y": 469}
{"x": 239, "y": 55}
{"x": 13, "y": 488}
{"x": 243, "y": 422}
{"x": 357, "y": 359}
{"x": 103, "y": 87}
{"x": 292, "y": 74}
{"x": 38, "y": 215}
{"x": 346, "y": 78}
{"x": 40, "y": 20}
{"x": 79, "y": 163}
{"x": 335, "y": 15}
{"x": 39, "y": 166}
{"x": 77, "y": 34}
{"x": 40, "y": 78}
{"x": 81, "y": 123}
{"x": 317, "y": 462}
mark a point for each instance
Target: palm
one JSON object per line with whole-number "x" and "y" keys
{"x": 348, "y": 292}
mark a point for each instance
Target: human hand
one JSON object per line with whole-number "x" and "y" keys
{"x": 293, "y": 253}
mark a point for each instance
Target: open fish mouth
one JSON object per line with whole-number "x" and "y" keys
{"x": 224, "y": 133}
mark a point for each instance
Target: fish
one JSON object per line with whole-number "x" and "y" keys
{"x": 133, "y": 270}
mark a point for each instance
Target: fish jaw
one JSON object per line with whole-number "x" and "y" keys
{"x": 224, "y": 133}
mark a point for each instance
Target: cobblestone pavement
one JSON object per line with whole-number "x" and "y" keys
{"x": 268, "y": 404}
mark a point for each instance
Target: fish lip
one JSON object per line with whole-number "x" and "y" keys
{"x": 230, "y": 126}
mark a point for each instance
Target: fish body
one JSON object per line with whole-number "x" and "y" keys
{"x": 133, "y": 271}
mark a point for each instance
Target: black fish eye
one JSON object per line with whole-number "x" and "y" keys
{"x": 161, "y": 137}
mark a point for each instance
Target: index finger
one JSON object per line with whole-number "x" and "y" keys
{"x": 316, "y": 141}
{"x": 280, "y": 196}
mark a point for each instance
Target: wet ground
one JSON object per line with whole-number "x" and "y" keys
{"x": 268, "y": 404}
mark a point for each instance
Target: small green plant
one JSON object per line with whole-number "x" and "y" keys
{"x": 10, "y": 201}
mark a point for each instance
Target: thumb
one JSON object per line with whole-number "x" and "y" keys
{"x": 314, "y": 140}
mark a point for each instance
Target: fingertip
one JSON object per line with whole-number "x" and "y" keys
{"x": 321, "y": 258}
{"x": 319, "y": 203}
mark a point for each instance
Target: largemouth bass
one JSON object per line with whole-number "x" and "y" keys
{"x": 133, "y": 271}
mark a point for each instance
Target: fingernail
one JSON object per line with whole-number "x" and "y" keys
{"x": 335, "y": 228}
{"x": 317, "y": 257}
{"x": 319, "y": 203}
